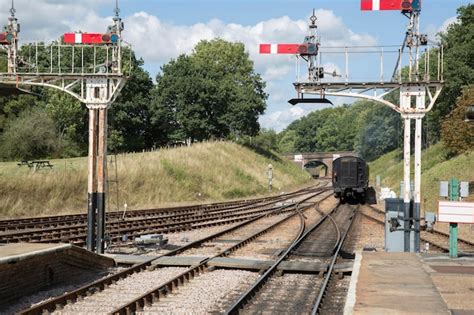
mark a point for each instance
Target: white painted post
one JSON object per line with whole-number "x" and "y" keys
{"x": 405, "y": 104}
{"x": 420, "y": 105}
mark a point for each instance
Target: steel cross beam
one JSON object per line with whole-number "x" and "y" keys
{"x": 93, "y": 89}
{"x": 378, "y": 91}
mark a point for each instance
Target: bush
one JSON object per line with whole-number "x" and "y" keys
{"x": 31, "y": 135}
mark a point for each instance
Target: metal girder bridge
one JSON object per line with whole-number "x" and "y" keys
{"x": 89, "y": 67}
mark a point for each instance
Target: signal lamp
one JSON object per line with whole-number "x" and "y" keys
{"x": 320, "y": 72}
{"x": 6, "y": 38}
{"x": 302, "y": 49}
{"x": 423, "y": 39}
{"x": 406, "y": 5}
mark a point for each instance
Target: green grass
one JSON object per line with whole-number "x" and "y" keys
{"x": 436, "y": 166}
{"x": 212, "y": 171}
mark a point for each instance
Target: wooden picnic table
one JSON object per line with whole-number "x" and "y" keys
{"x": 38, "y": 164}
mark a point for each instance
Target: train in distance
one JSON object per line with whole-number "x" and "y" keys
{"x": 350, "y": 180}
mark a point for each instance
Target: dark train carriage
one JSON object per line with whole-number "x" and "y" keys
{"x": 350, "y": 179}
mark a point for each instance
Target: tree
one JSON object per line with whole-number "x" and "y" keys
{"x": 31, "y": 135}
{"x": 457, "y": 134}
{"x": 212, "y": 93}
{"x": 458, "y": 44}
{"x": 267, "y": 139}
{"x": 129, "y": 115}
{"x": 286, "y": 143}
{"x": 70, "y": 118}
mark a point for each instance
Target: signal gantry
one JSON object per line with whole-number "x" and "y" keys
{"x": 88, "y": 66}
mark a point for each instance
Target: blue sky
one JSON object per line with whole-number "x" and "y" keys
{"x": 161, "y": 30}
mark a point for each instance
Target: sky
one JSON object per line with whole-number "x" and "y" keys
{"x": 160, "y": 30}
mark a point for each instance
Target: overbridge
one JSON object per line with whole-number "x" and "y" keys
{"x": 311, "y": 160}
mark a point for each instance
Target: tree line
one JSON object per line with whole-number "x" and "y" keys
{"x": 212, "y": 93}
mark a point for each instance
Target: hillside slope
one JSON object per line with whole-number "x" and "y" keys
{"x": 211, "y": 171}
{"x": 436, "y": 166}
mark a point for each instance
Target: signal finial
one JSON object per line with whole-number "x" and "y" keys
{"x": 12, "y": 10}
{"x": 313, "y": 19}
{"x": 116, "y": 10}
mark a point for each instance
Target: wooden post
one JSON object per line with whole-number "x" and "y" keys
{"x": 101, "y": 178}
{"x": 92, "y": 180}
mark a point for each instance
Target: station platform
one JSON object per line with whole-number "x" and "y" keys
{"x": 26, "y": 268}
{"x": 409, "y": 283}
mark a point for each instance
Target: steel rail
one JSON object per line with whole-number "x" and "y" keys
{"x": 58, "y": 219}
{"x": 144, "y": 214}
{"x": 244, "y": 298}
{"x": 77, "y": 233}
{"x": 155, "y": 294}
{"x": 324, "y": 285}
{"x": 52, "y": 304}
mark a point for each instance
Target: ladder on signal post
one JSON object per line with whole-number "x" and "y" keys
{"x": 112, "y": 184}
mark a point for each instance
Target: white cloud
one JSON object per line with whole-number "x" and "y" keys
{"x": 158, "y": 41}
{"x": 432, "y": 30}
{"x": 279, "y": 120}
{"x": 46, "y": 20}
{"x": 170, "y": 40}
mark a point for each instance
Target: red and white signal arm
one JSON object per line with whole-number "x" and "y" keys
{"x": 302, "y": 49}
{"x": 279, "y": 48}
{"x": 381, "y": 5}
{"x": 456, "y": 212}
{"x": 90, "y": 38}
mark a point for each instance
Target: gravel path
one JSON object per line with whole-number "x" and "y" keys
{"x": 121, "y": 292}
{"x": 288, "y": 294}
{"x": 211, "y": 292}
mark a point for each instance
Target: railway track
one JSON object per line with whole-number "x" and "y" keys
{"x": 435, "y": 238}
{"x": 183, "y": 219}
{"x": 285, "y": 211}
{"x": 77, "y": 219}
{"x": 300, "y": 293}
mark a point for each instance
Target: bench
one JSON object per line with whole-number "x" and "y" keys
{"x": 40, "y": 164}
{"x": 24, "y": 163}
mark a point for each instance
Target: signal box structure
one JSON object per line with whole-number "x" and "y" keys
{"x": 88, "y": 66}
{"x": 418, "y": 88}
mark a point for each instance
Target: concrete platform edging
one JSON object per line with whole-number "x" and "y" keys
{"x": 351, "y": 292}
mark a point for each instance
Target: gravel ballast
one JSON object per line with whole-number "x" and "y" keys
{"x": 120, "y": 293}
{"x": 211, "y": 292}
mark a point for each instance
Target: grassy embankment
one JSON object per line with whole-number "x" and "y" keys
{"x": 204, "y": 172}
{"x": 436, "y": 166}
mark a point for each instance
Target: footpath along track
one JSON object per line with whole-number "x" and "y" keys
{"x": 435, "y": 238}
{"x": 299, "y": 293}
{"x": 143, "y": 272}
{"x": 161, "y": 223}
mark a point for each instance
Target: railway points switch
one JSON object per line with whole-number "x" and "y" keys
{"x": 151, "y": 239}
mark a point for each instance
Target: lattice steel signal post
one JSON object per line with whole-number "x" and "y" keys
{"x": 90, "y": 68}
{"x": 418, "y": 88}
